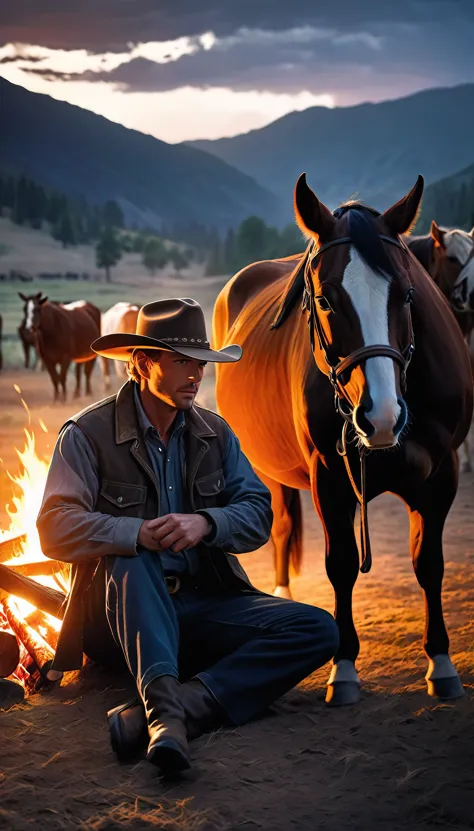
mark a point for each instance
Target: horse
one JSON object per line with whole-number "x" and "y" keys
{"x": 371, "y": 374}
{"x": 62, "y": 334}
{"x": 122, "y": 317}
{"x": 448, "y": 257}
{"x": 26, "y": 337}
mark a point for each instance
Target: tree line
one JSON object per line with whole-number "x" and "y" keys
{"x": 74, "y": 221}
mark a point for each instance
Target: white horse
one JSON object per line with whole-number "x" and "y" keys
{"x": 119, "y": 318}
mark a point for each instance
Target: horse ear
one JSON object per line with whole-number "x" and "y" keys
{"x": 23, "y": 297}
{"x": 42, "y": 300}
{"x": 38, "y": 295}
{"x": 437, "y": 234}
{"x": 402, "y": 216}
{"x": 472, "y": 232}
{"x": 312, "y": 217}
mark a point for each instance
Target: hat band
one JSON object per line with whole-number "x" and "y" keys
{"x": 186, "y": 340}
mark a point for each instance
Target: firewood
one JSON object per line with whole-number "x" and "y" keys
{"x": 12, "y": 546}
{"x": 39, "y": 649}
{"x": 46, "y": 599}
{"x": 9, "y": 654}
{"x": 38, "y": 568}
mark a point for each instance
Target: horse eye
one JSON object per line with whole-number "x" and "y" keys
{"x": 324, "y": 304}
{"x": 409, "y": 296}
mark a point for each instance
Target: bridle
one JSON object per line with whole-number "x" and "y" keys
{"x": 336, "y": 369}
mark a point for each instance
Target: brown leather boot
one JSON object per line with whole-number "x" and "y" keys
{"x": 203, "y": 713}
{"x": 168, "y": 746}
{"x": 128, "y": 726}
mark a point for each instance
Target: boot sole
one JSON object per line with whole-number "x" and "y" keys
{"x": 167, "y": 755}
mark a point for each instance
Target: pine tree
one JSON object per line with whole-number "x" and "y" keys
{"x": 108, "y": 250}
{"x": 20, "y": 208}
{"x": 64, "y": 230}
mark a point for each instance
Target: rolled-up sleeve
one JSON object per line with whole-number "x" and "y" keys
{"x": 68, "y": 526}
{"x": 244, "y": 522}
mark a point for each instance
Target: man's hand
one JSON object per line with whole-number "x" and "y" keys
{"x": 175, "y": 531}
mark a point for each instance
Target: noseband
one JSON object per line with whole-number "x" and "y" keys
{"x": 343, "y": 404}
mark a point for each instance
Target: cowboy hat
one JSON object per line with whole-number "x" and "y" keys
{"x": 175, "y": 325}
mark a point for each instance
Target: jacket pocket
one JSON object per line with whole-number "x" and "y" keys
{"x": 211, "y": 484}
{"x": 122, "y": 495}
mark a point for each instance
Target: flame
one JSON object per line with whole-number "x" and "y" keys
{"x": 22, "y": 514}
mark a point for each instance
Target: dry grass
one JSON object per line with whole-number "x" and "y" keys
{"x": 399, "y": 760}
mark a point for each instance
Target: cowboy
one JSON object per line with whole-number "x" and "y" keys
{"x": 150, "y": 498}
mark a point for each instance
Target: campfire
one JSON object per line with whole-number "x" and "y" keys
{"x": 32, "y": 587}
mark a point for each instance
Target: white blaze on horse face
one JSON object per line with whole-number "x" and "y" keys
{"x": 30, "y": 307}
{"x": 368, "y": 292}
{"x": 460, "y": 244}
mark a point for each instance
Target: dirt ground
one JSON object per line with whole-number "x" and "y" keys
{"x": 398, "y": 760}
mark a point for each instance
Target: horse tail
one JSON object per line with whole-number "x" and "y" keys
{"x": 295, "y": 540}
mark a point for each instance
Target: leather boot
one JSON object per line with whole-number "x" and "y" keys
{"x": 128, "y": 729}
{"x": 168, "y": 746}
{"x": 128, "y": 726}
{"x": 203, "y": 713}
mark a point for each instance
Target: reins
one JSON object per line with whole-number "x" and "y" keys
{"x": 336, "y": 372}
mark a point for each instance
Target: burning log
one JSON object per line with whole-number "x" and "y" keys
{"x": 9, "y": 654}
{"x": 12, "y": 546}
{"x": 38, "y": 568}
{"x": 46, "y": 599}
{"x": 39, "y": 649}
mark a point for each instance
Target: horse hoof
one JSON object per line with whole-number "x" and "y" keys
{"x": 283, "y": 591}
{"x": 343, "y": 693}
{"x": 445, "y": 688}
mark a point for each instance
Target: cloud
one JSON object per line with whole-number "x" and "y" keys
{"x": 111, "y": 25}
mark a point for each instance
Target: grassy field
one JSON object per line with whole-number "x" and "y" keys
{"x": 35, "y": 252}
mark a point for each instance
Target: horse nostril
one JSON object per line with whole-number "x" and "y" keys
{"x": 402, "y": 418}
{"x": 362, "y": 422}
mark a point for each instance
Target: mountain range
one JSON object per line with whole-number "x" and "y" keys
{"x": 373, "y": 151}
{"x": 70, "y": 149}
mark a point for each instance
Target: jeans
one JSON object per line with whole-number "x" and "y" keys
{"x": 248, "y": 648}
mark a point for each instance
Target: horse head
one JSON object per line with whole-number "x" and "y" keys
{"x": 33, "y": 304}
{"x": 358, "y": 293}
{"x": 459, "y": 249}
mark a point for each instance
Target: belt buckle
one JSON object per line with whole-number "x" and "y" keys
{"x": 173, "y": 583}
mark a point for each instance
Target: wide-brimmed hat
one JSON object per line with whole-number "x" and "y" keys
{"x": 175, "y": 325}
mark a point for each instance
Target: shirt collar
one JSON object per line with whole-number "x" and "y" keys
{"x": 144, "y": 421}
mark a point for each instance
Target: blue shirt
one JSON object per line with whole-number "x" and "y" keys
{"x": 168, "y": 465}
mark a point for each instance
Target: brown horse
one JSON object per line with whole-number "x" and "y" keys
{"x": 62, "y": 334}
{"x": 301, "y": 392}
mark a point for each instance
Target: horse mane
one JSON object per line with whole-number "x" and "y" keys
{"x": 365, "y": 237}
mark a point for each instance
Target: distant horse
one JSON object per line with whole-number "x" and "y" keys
{"x": 448, "y": 257}
{"x": 63, "y": 334}
{"x": 382, "y": 365}
{"x": 27, "y": 337}
{"x": 119, "y": 318}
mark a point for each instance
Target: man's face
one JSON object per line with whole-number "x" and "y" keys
{"x": 174, "y": 379}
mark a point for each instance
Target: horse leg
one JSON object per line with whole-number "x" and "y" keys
{"x": 63, "y": 376}
{"x": 336, "y": 504}
{"x": 428, "y": 510}
{"x": 77, "y": 391}
{"x": 88, "y": 368}
{"x": 286, "y": 533}
{"x": 105, "y": 364}
{"x": 54, "y": 375}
